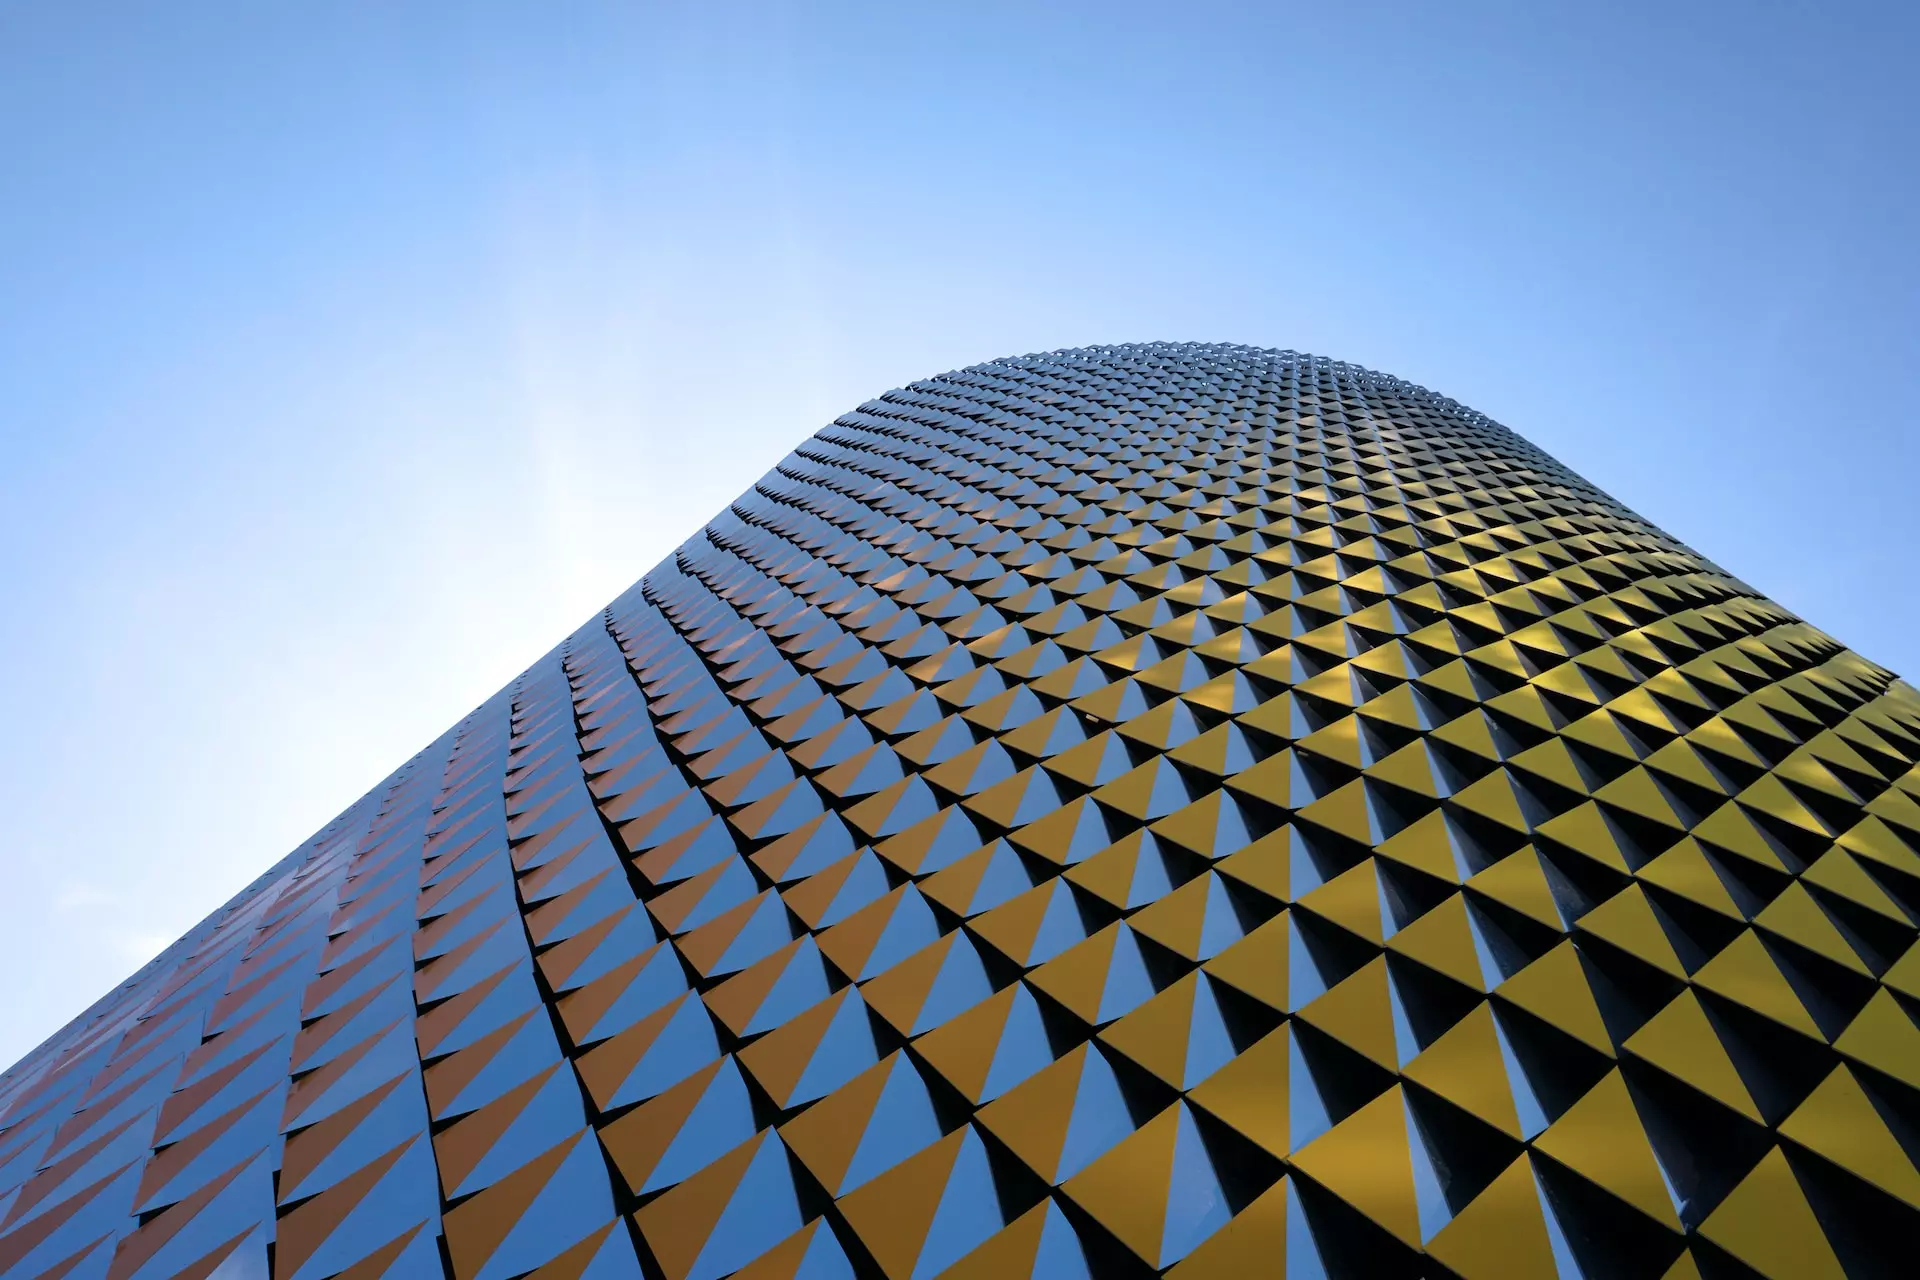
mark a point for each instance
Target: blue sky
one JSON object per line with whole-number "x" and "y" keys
{"x": 350, "y": 354}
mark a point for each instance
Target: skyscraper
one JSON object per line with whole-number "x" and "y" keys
{"x": 1159, "y": 808}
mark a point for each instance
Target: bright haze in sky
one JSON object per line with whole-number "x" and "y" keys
{"x": 353, "y": 353}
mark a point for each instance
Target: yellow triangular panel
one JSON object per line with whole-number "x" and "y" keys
{"x": 1767, "y": 1223}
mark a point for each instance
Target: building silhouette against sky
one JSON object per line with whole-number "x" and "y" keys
{"x": 1158, "y": 808}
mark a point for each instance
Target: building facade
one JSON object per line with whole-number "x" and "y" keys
{"x": 1158, "y": 809}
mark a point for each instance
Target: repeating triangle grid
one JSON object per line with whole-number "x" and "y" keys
{"x": 1164, "y": 809}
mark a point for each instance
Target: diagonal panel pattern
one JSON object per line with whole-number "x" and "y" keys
{"x": 1160, "y": 809}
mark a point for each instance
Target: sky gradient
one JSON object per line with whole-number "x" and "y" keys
{"x": 350, "y": 355}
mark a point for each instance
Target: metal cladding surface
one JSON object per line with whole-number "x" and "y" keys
{"x": 1161, "y": 808}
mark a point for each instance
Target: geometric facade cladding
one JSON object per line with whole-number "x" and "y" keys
{"x": 1154, "y": 809}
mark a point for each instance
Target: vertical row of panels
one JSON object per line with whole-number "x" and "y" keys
{"x": 1159, "y": 809}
